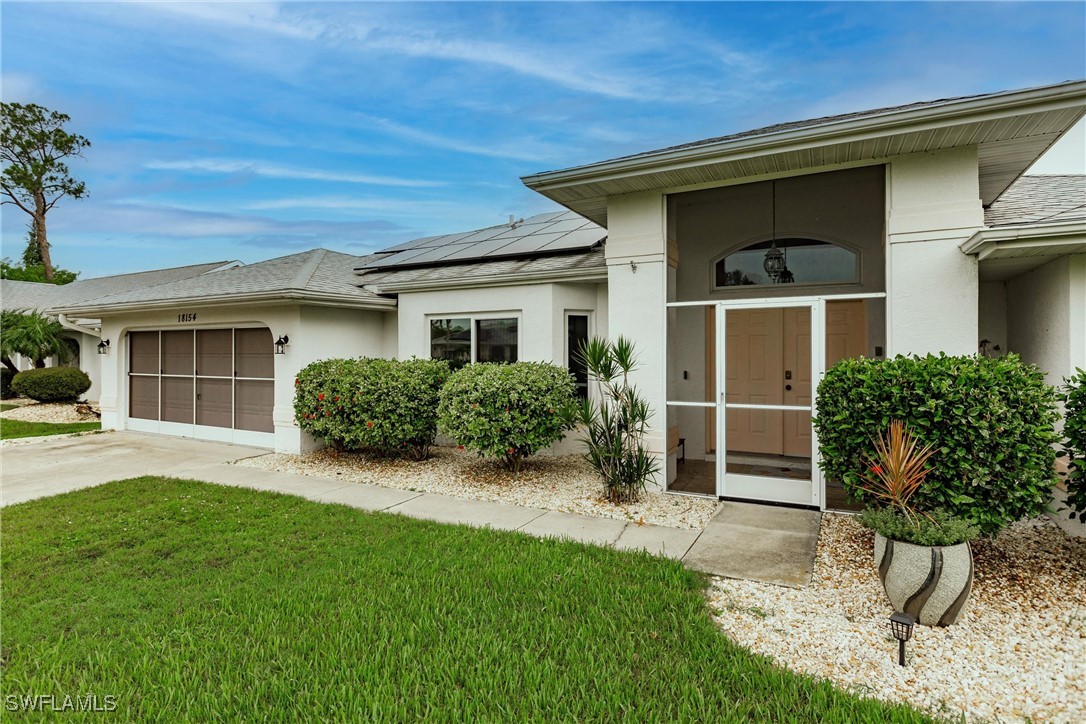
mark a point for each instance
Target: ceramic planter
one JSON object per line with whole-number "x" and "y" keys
{"x": 931, "y": 583}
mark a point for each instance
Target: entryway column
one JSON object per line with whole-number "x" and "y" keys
{"x": 637, "y": 288}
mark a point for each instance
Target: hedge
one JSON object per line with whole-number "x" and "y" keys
{"x": 506, "y": 411}
{"x": 1074, "y": 446}
{"x": 6, "y": 376}
{"x": 51, "y": 384}
{"x": 380, "y": 404}
{"x": 991, "y": 421}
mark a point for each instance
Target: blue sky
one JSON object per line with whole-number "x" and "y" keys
{"x": 251, "y": 130}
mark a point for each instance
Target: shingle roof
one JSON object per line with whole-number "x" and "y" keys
{"x": 35, "y": 295}
{"x": 1037, "y": 199}
{"x": 313, "y": 274}
{"x": 555, "y": 232}
{"x": 477, "y": 270}
{"x": 820, "y": 121}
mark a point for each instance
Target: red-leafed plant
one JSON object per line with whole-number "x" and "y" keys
{"x": 897, "y": 468}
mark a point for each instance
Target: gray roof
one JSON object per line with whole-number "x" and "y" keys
{"x": 1039, "y": 199}
{"x": 16, "y": 295}
{"x": 551, "y": 233}
{"x": 584, "y": 261}
{"x": 315, "y": 275}
{"x": 823, "y": 121}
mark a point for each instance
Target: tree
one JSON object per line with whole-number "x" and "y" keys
{"x": 31, "y": 334}
{"x": 32, "y": 253}
{"x": 32, "y": 269}
{"x": 33, "y": 146}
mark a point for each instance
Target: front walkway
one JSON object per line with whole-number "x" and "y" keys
{"x": 755, "y": 542}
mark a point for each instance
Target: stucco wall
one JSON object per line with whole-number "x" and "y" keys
{"x": 933, "y": 288}
{"x": 1039, "y": 317}
{"x": 314, "y": 332}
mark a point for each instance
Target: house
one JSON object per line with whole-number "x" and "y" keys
{"x": 742, "y": 266}
{"x": 82, "y": 335}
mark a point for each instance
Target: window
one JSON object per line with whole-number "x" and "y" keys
{"x": 462, "y": 340}
{"x": 801, "y": 261}
{"x": 576, "y": 337}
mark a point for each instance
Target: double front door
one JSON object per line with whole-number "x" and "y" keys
{"x": 768, "y": 360}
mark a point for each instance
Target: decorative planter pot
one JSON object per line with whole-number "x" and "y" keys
{"x": 931, "y": 583}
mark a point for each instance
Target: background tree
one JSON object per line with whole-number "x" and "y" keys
{"x": 32, "y": 269}
{"x": 33, "y": 146}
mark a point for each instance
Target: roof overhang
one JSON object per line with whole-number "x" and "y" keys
{"x": 590, "y": 274}
{"x": 232, "y": 300}
{"x": 1010, "y": 131}
{"x": 1006, "y": 251}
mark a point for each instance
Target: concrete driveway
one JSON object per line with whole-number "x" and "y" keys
{"x": 58, "y": 465}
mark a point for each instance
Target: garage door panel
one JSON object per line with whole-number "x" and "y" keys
{"x": 177, "y": 399}
{"x": 143, "y": 397}
{"x": 214, "y": 352}
{"x": 177, "y": 353}
{"x": 253, "y": 402}
{"x": 253, "y": 355}
{"x": 143, "y": 354}
{"x": 214, "y": 403}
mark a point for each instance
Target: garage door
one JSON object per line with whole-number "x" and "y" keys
{"x": 215, "y": 384}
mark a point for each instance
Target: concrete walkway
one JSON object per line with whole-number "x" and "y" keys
{"x": 754, "y": 542}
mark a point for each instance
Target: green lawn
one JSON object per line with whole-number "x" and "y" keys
{"x": 196, "y": 601}
{"x": 19, "y": 428}
{"x": 4, "y": 407}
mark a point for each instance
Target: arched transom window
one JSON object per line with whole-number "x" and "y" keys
{"x": 788, "y": 261}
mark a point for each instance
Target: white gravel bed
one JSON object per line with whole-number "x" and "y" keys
{"x": 565, "y": 483}
{"x": 17, "y": 441}
{"x": 1018, "y": 652}
{"x": 48, "y": 412}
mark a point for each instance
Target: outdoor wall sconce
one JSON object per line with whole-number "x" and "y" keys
{"x": 103, "y": 347}
{"x": 281, "y": 344}
{"x": 633, "y": 266}
{"x": 901, "y": 626}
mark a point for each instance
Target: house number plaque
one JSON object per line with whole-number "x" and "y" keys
{"x": 187, "y": 317}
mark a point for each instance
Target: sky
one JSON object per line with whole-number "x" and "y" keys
{"x": 246, "y": 131}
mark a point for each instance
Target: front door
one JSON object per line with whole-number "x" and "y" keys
{"x": 767, "y": 368}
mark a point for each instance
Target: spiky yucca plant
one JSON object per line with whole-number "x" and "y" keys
{"x": 897, "y": 468}
{"x": 615, "y": 422}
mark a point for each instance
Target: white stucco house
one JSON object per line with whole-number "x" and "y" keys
{"x": 742, "y": 266}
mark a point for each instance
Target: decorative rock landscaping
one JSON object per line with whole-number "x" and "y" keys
{"x": 55, "y": 412}
{"x": 567, "y": 483}
{"x": 1017, "y": 652}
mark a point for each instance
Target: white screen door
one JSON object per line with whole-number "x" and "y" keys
{"x": 770, "y": 357}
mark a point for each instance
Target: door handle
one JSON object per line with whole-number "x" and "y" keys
{"x": 788, "y": 387}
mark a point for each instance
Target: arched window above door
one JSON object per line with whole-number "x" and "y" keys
{"x": 797, "y": 261}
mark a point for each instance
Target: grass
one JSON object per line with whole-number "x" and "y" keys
{"x": 10, "y": 429}
{"x": 187, "y": 600}
{"x": 4, "y": 407}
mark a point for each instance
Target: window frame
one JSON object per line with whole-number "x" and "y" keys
{"x": 735, "y": 249}
{"x": 591, "y": 329}
{"x": 472, "y": 317}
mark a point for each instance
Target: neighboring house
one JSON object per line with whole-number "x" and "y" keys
{"x": 741, "y": 266}
{"x": 83, "y": 334}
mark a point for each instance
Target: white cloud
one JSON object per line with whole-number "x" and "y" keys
{"x": 257, "y": 168}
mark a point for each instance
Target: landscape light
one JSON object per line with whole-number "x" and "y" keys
{"x": 901, "y": 626}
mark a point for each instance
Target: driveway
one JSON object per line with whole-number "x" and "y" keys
{"x": 49, "y": 467}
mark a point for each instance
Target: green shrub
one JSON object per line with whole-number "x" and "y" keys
{"x": 381, "y": 404}
{"x": 1074, "y": 446}
{"x": 506, "y": 411}
{"x": 937, "y": 528}
{"x": 990, "y": 421}
{"x": 51, "y": 384}
{"x": 6, "y": 376}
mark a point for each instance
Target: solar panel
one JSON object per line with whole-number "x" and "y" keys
{"x": 555, "y": 231}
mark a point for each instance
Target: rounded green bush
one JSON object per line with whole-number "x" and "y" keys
{"x": 382, "y": 404}
{"x": 506, "y": 411}
{"x": 51, "y": 384}
{"x": 990, "y": 420}
{"x": 1074, "y": 446}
